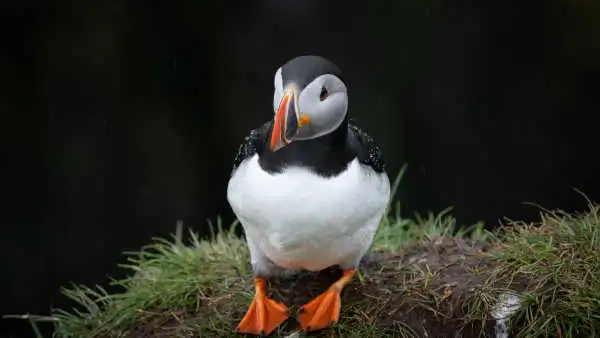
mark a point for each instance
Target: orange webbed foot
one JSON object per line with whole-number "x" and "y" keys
{"x": 264, "y": 314}
{"x": 324, "y": 310}
{"x": 321, "y": 312}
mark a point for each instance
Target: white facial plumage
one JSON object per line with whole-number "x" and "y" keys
{"x": 326, "y": 112}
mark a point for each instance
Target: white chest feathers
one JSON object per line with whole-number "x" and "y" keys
{"x": 299, "y": 220}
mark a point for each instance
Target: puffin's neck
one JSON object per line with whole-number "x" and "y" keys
{"x": 327, "y": 155}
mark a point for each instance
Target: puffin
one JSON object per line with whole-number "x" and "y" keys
{"x": 309, "y": 189}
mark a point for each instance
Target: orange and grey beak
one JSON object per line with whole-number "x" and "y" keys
{"x": 287, "y": 121}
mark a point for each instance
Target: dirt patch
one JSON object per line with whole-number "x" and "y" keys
{"x": 421, "y": 291}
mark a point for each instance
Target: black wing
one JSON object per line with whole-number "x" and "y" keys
{"x": 254, "y": 143}
{"x": 365, "y": 148}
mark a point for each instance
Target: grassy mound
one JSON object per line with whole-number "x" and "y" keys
{"x": 420, "y": 280}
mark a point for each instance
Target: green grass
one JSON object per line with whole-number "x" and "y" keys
{"x": 560, "y": 263}
{"x": 421, "y": 277}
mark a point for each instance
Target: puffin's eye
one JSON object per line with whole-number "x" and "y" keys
{"x": 324, "y": 93}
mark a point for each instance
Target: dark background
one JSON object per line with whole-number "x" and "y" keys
{"x": 120, "y": 117}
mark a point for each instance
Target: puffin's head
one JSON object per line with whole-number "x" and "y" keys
{"x": 310, "y": 100}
